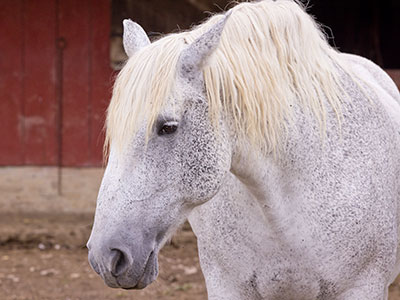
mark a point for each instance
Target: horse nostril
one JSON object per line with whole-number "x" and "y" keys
{"x": 119, "y": 262}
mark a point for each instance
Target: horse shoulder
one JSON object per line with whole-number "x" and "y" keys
{"x": 372, "y": 73}
{"x": 379, "y": 86}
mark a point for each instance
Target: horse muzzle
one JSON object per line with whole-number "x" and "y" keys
{"x": 122, "y": 268}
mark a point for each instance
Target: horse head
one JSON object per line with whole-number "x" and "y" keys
{"x": 151, "y": 185}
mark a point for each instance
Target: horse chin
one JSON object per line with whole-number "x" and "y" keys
{"x": 149, "y": 275}
{"x": 150, "y": 272}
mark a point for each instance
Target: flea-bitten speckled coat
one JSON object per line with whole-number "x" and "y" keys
{"x": 315, "y": 216}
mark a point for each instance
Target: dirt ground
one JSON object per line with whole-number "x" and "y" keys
{"x": 44, "y": 257}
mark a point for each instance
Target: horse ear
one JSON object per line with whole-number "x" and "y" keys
{"x": 195, "y": 56}
{"x": 134, "y": 37}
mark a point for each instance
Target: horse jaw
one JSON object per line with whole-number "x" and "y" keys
{"x": 134, "y": 38}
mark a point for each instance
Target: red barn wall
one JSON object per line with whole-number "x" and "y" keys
{"x": 55, "y": 81}
{"x": 55, "y": 75}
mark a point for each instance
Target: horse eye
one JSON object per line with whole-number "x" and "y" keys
{"x": 168, "y": 128}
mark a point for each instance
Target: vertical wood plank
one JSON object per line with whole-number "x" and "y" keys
{"x": 40, "y": 105}
{"x": 11, "y": 76}
{"x": 101, "y": 76}
{"x": 74, "y": 28}
{"x": 28, "y": 81}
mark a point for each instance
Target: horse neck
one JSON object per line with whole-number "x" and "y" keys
{"x": 259, "y": 173}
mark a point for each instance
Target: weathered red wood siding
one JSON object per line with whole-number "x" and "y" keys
{"x": 55, "y": 79}
{"x": 42, "y": 85}
{"x": 11, "y": 74}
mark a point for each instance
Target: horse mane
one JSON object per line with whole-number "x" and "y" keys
{"x": 271, "y": 54}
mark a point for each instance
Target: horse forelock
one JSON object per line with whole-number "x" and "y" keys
{"x": 271, "y": 54}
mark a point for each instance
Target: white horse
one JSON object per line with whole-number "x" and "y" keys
{"x": 283, "y": 153}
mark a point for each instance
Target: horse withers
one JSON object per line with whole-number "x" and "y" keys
{"x": 283, "y": 153}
